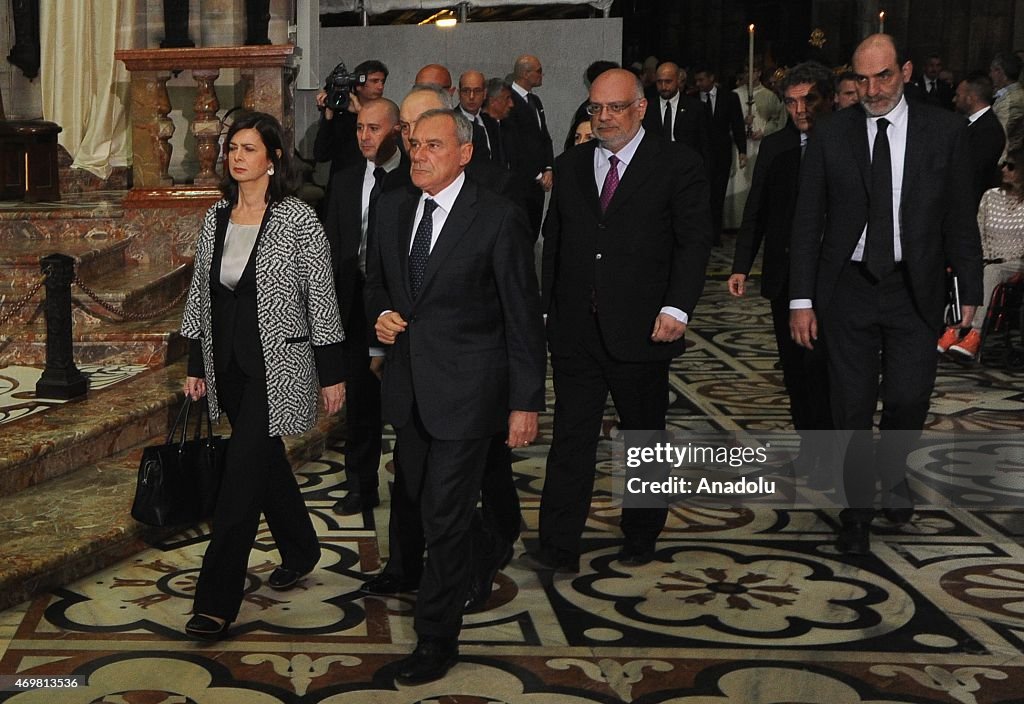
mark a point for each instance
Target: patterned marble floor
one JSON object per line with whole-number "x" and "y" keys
{"x": 744, "y": 605}
{"x": 18, "y": 386}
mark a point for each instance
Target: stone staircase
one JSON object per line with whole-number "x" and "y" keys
{"x": 67, "y": 473}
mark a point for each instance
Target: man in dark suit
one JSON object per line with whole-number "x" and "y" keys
{"x": 472, "y": 93}
{"x": 335, "y": 136}
{"x": 877, "y": 282}
{"x": 497, "y": 107}
{"x": 626, "y": 242}
{"x": 452, "y": 289}
{"x": 985, "y": 134}
{"x": 768, "y": 215}
{"x": 727, "y": 130}
{"x": 594, "y": 70}
{"x": 931, "y": 88}
{"x": 352, "y": 197}
{"x": 531, "y": 155}
{"x": 677, "y": 117}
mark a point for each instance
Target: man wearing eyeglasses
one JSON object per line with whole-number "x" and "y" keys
{"x": 626, "y": 242}
{"x": 472, "y": 92}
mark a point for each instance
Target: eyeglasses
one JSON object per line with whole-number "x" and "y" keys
{"x": 1008, "y": 165}
{"x": 613, "y": 108}
{"x": 472, "y": 91}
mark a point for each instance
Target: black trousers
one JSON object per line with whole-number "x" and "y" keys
{"x": 583, "y": 377}
{"x": 804, "y": 373}
{"x": 443, "y": 478}
{"x": 500, "y": 518}
{"x": 257, "y": 479}
{"x": 875, "y": 332}
{"x": 363, "y": 413}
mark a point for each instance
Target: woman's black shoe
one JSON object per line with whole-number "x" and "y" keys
{"x": 206, "y": 628}
{"x": 283, "y": 579}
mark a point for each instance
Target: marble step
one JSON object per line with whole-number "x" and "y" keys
{"x": 62, "y": 439}
{"x": 72, "y": 526}
{"x": 96, "y": 257}
{"x": 102, "y": 340}
{"x": 76, "y": 216}
{"x": 136, "y": 288}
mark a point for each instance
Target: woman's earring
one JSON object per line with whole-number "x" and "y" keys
{"x": 270, "y": 171}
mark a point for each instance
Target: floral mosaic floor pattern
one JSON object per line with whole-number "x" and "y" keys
{"x": 743, "y": 605}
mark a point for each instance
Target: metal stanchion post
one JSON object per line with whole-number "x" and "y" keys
{"x": 61, "y": 379}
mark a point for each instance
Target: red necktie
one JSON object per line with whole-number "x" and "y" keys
{"x": 611, "y": 182}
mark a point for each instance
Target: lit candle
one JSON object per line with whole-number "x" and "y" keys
{"x": 750, "y": 63}
{"x": 881, "y": 22}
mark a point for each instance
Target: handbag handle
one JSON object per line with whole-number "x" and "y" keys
{"x": 204, "y": 411}
{"x": 183, "y": 411}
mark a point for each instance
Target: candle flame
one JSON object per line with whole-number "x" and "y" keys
{"x": 881, "y": 15}
{"x": 750, "y": 29}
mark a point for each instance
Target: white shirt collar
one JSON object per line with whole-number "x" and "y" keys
{"x": 972, "y": 118}
{"x": 625, "y": 155}
{"x": 897, "y": 116}
{"x": 469, "y": 116}
{"x": 519, "y": 89}
{"x": 445, "y": 199}
{"x": 390, "y": 165}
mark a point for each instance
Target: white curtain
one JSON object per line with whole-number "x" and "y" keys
{"x": 84, "y": 90}
{"x": 377, "y": 7}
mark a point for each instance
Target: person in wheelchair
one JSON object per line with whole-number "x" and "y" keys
{"x": 1001, "y": 222}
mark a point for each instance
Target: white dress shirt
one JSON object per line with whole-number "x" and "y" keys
{"x": 602, "y": 165}
{"x": 477, "y": 120}
{"x": 445, "y": 200}
{"x": 673, "y": 106}
{"x": 368, "y": 182}
{"x": 973, "y": 117}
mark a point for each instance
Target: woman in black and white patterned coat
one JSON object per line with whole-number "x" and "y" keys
{"x": 263, "y": 320}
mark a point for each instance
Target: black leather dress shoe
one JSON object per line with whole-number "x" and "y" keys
{"x": 482, "y": 581}
{"x": 204, "y": 627}
{"x": 430, "y": 661}
{"x": 385, "y": 583}
{"x": 282, "y": 579}
{"x": 854, "y": 539}
{"x": 548, "y": 559}
{"x": 635, "y": 555}
{"x": 355, "y": 502}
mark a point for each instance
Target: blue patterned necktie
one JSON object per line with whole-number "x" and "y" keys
{"x": 421, "y": 247}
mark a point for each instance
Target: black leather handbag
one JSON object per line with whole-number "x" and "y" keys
{"x": 179, "y": 481}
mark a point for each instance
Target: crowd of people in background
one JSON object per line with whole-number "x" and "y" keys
{"x": 432, "y": 211}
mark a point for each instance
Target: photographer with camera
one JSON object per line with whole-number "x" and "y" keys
{"x": 340, "y": 101}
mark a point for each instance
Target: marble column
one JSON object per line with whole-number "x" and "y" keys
{"x": 152, "y": 129}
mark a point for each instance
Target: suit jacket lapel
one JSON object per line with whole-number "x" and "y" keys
{"x": 403, "y": 237}
{"x": 914, "y": 156}
{"x": 636, "y": 173}
{"x": 455, "y": 226}
{"x": 861, "y": 151}
{"x": 585, "y": 176}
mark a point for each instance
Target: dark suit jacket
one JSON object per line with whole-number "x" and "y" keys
{"x": 343, "y": 226}
{"x": 528, "y": 144}
{"x": 647, "y": 251}
{"x": 689, "y": 123}
{"x": 987, "y": 141}
{"x": 727, "y": 127}
{"x": 494, "y": 131}
{"x": 941, "y": 97}
{"x": 336, "y": 141}
{"x": 474, "y": 347}
{"x": 939, "y": 223}
{"x": 768, "y": 214}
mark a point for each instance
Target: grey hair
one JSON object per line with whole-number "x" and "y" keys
{"x": 495, "y": 86}
{"x": 441, "y": 93}
{"x": 463, "y": 127}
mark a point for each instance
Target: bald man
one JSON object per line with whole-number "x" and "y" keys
{"x": 528, "y": 142}
{"x": 436, "y": 75}
{"x": 677, "y": 117}
{"x": 472, "y": 93}
{"x": 872, "y": 286}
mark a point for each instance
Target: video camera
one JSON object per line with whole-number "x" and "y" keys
{"x": 338, "y": 86}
